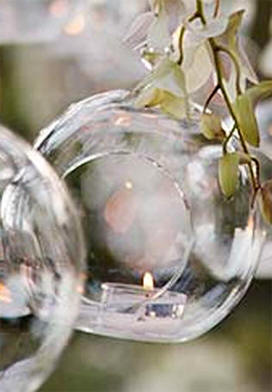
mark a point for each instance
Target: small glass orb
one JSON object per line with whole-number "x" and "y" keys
{"x": 168, "y": 255}
{"x": 30, "y": 21}
{"x": 264, "y": 270}
{"x": 41, "y": 261}
{"x": 264, "y": 155}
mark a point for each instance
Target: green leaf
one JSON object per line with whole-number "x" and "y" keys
{"x": 230, "y": 34}
{"x": 149, "y": 96}
{"x": 244, "y": 110}
{"x": 168, "y": 76}
{"x": 173, "y": 106}
{"x": 246, "y": 118}
{"x": 261, "y": 91}
{"x": 179, "y": 78}
{"x": 173, "y": 80}
{"x": 230, "y": 40}
{"x": 244, "y": 159}
{"x": 211, "y": 127}
{"x": 151, "y": 58}
{"x": 169, "y": 103}
{"x": 266, "y": 201}
{"x": 228, "y": 173}
{"x": 161, "y": 70}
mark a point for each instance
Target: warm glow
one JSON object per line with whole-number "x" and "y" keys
{"x": 76, "y": 26}
{"x": 123, "y": 120}
{"x": 80, "y": 286}
{"x": 250, "y": 224}
{"x": 58, "y": 8}
{"x": 4, "y": 293}
{"x": 128, "y": 185}
{"x": 148, "y": 281}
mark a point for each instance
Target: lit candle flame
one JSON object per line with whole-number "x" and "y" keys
{"x": 148, "y": 281}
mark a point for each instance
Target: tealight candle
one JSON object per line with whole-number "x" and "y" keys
{"x": 141, "y": 309}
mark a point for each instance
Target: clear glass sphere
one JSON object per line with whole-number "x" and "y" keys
{"x": 264, "y": 155}
{"x": 41, "y": 261}
{"x": 28, "y": 21}
{"x": 168, "y": 255}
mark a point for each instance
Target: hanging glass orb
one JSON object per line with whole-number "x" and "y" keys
{"x": 41, "y": 260}
{"x": 168, "y": 255}
{"x": 264, "y": 155}
{"x": 28, "y": 21}
{"x": 264, "y": 270}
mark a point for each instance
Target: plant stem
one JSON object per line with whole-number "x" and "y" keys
{"x": 216, "y": 9}
{"x": 230, "y": 108}
{"x": 220, "y": 48}
{"x": 258, "y": 171}
{"x": 215, "y": 51}
{"x": 181, "y": 36}
{"x": 223, "y": 89}
{"x": 200, "y": 11}
{"x": 228, "y": 139}
{"x": 210, "y": 97}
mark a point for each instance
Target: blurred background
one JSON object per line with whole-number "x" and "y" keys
{"x": 55, "y": 52}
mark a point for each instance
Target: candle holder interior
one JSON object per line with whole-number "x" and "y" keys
{"x": 142, "y": 225}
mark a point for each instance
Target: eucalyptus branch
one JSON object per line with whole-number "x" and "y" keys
{"x": 230, "y": 108}
{"x": 174, "y": 96}
{"x": 220, "y": 80}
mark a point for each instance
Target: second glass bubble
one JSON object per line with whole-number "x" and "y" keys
{"x": 168, "y": 255}
{"x": 41, "y": 266}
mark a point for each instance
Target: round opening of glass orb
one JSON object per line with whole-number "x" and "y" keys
{"x": 139, "y": 237}
{"x": 168, "y": 255}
